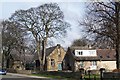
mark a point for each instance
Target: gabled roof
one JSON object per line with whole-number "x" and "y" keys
{"x": 28, "y": 57}
{"x": 79, "y": 48}
{"x": 50, "y": 50}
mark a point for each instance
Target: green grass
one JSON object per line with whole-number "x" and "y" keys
{"x": 70, "y": 76}
{"x": 49, "y": 76}
{"x": 64, "y": 75}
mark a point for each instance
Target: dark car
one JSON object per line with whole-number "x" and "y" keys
{"x": 2, "y": 72}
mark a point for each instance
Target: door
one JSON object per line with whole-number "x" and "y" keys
{"x": 59, "y": 66}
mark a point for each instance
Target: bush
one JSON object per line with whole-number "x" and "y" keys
{"x": 116, "y": 70}
{"x": 11, "y": 70}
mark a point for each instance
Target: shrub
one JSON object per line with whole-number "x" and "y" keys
{"x": 116, "y": 70}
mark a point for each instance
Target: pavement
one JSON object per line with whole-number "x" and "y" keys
{"x": 24, "y": 75}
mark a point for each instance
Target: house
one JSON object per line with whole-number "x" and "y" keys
{"x": 54, "y": 58}
{"x": 89, "y": 59}
{"x": 18, "y": 61}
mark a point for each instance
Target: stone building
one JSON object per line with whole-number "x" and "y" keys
{"x": 54, "y": 58}
{"x": 19, "y": 61}
{"x": 89, "y": 59}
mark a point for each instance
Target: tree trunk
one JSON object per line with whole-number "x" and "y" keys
{"x": 44, "y": 52}
{"x": 118, "y": 57}
{"x": 44, "y": 45}
{"x": 117, "y": 20}
{"x": 39, "y": 55}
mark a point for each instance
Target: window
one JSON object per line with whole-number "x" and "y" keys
{"x": 94, "y": 63}
{"x": 59, "y": 52}
{"x": 59, "y": 55}
{"x": 18, "y": 66}
{"x": 52, "y": 62}
{"x": 81, "y": 64}
{"x": 101, "y": 56}
{"x": 108, "y": 56}
{"x": 80, "y": 53}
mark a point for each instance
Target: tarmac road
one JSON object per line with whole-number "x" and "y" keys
{"x": 11, "y": 76}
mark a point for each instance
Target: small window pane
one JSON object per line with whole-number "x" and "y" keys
{"x": 52, "y": 62}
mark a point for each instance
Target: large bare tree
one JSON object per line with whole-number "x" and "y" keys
{"x": 103, "y": 20}
{"x": 43, "y": 22}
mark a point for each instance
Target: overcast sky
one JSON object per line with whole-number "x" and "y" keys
{"x": 73, "y": 11}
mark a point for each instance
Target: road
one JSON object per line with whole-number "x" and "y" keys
{"x": 22, "y": 77}
{"x": 11, "y": 77}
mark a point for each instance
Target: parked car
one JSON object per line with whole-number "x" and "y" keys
{"x": 2, "y": 72}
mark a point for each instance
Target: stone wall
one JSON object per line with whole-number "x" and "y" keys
{"x": 11, "y": 70}
{"x": 111, "y": 75}
{"x": 108, "y": 65}
{"x": 24, "y": 71}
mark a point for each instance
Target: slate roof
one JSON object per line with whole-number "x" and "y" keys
{"x": 17, "y": 56}
{"x": 102, "y": 54}
{"x": 48, "y": 51}
{"x": 79, "y": 48}
{"x": 106, "y": 54}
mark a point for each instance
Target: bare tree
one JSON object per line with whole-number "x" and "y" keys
{"x": 12, "y": 38}
{"x": 103, "y": 21}
{"x": 80, "y": 42}
{"x": 43, "y": 22}
{"x": 53, "y": 24}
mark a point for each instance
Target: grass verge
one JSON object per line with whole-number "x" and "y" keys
{"x": 65, "y": 75}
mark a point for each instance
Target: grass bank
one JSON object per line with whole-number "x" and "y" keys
{"x": 65, "y": 75}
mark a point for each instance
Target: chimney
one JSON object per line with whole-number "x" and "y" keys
{"x": 89, "y": 46}
{"x": 58, "y": 45}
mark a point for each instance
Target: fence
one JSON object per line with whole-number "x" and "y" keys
{"x": 103, "y": 75}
